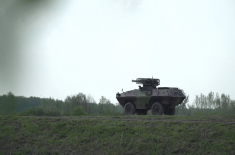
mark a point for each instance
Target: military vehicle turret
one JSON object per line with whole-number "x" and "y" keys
{"x": 160, "y": 100}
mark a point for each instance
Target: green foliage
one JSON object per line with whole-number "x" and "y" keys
{"x": 211, "y": 104}
{"x": 26, "y": 103}
{"x": 104, "y": 107}
{"x": 77, "y": 100}
{"x": 78, "y": 111}
{"x": 8, "y": 104}
{"x": 213, "y": 100}
{"x": 51, "y": 107}
{"x": 40, "y": 112}
{"x": 32, "y": 112}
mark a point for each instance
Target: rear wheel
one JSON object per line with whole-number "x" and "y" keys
{"x": 129, "y": 108}
{"x": 169, "y": 111}
{"x": 157, "y": 109}
{"x": 141, "y": 112}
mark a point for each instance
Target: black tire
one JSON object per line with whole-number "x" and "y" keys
{"x": 169, "y": 111}
{"x": 157, "y": 109}
{"x": 141, "y": 112}
{"x": 129, "y": 108}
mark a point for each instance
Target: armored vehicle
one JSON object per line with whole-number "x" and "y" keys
{"x": 160, "y": 100}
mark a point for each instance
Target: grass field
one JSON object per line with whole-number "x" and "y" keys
{"x": 117, "y": 135}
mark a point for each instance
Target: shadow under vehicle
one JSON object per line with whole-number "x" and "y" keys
{"x": 160, "y": 100}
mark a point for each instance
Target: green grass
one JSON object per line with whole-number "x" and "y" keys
{"x": 117, "y": 135}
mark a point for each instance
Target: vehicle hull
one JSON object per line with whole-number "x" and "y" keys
{"x": 143, "y": 99}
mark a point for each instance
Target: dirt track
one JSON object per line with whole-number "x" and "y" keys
{"x": 190, "y": 119}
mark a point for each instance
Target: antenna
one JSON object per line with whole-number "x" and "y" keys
{"x": 152, "y": 80}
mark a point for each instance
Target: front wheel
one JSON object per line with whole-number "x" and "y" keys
{"x": 157, "y": 109}
{"x": 129, "y": 108}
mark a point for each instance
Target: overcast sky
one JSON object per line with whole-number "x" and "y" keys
{"x": 60, "y": 48}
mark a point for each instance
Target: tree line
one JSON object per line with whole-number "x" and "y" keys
{"x": 82, "y": 104}
{"x": 210, "y": 104}
{"x": 11, "y": 104}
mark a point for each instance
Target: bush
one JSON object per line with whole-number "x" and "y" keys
{"x": 78, "y": 111}
{"x": 65, "y": 113}
{"x": 32, "y": 112}
{"x": 52, "y": 113}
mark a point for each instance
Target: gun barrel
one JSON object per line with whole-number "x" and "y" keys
{"x": 147, "y": 81}
{"x": 139, "y": 81}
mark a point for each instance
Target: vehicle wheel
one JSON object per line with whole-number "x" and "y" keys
{"x": 129, "y": 108}
{"x": 157, "y": 109}
{"x": 141, "y": 112}
{"x": 169, "y": 111}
